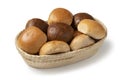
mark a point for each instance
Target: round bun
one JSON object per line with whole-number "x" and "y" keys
{"x": 60, "y": 31}
{"x": 92, "y": 28}
{"x": 81, "y": 41}
{"x": 31, "y": 40}
{"x": 53, "y": 47}
{"x": 60, "y": 15}
{"x": 38, "y": 23}
{"x": 80, "y": 16}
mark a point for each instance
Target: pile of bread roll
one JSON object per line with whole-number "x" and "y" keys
{"x": 62, "y": 32}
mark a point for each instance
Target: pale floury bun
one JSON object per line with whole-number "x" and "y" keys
{"x": 81, "y": 41}
{"x": 53, "y": 47}
{"x": 92, "y": 28}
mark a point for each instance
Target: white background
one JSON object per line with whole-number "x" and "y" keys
{"x": 14, "y": 14}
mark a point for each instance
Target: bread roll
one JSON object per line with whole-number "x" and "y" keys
{"x": 81, "y": 41}
{"x": 39, "y": 23}
{"x": 31, "y": 40}
{"x": 92, "y": 28}
{"x": 53, "y": 47}
{"x": 60, "y": 15}
{"x": 60, "y": 31}
{"x": 80, "y": 16}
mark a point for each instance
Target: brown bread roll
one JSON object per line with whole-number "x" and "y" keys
{"x": 80, "y": 16}
{"x": 31, "y": 40}
{"x": 60, "y": 31}
{"x": 60, "y": 15}
{"x": 38, "y": 23}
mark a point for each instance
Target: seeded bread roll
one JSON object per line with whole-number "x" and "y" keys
{"x": 53, "y": 47}
{"x": 92, "y": 28}
{"x": 81, "y": 41}
{"x": 60, "y": 15}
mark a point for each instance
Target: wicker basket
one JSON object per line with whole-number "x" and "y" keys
{"x": 57, "y": 60}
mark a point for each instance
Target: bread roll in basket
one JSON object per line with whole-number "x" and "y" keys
{"x": 57, "y": 60}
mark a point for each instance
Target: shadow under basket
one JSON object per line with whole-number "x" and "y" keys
{"x": 57, "y": 60}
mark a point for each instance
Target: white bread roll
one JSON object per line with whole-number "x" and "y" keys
{"x": 92, "y": 28}
{"x": 53, "y": 47}
{"x": 81, "y": 41}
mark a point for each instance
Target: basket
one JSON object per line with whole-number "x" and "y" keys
{"x": 57, "y": 60}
